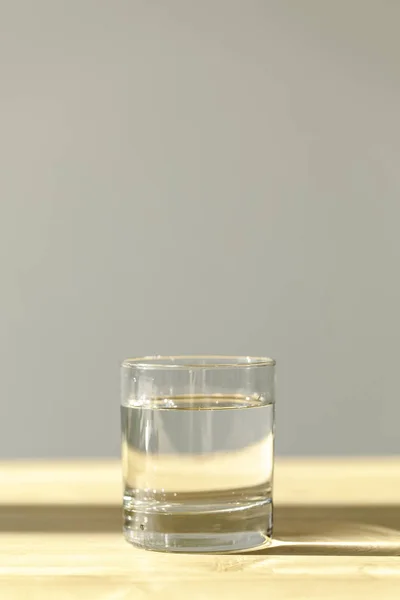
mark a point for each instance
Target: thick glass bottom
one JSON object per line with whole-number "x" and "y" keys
{"x": 227, "y": 528}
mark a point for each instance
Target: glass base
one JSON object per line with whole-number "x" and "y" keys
{"x": 232, "y": 529}
{"x": 197, "y": 542}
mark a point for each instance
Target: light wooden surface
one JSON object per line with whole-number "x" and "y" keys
{"x": 337, "y": 529}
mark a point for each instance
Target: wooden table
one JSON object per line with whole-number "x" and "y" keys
{"x": 337, "y": 529}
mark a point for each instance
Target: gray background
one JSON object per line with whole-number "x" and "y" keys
{"x": 214, "y": 176}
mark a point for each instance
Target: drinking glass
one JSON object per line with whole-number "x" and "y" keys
{"x": 198, "y": 452}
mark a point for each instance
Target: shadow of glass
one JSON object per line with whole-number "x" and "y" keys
{"x": 336, "y": 530}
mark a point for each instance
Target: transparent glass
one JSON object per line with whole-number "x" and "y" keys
{"x": 198, "y": 452}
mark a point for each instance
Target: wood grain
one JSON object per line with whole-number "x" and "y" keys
{"x": 337, "y": 530}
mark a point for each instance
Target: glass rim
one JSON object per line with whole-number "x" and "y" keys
{"x": 198, "y": 361}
